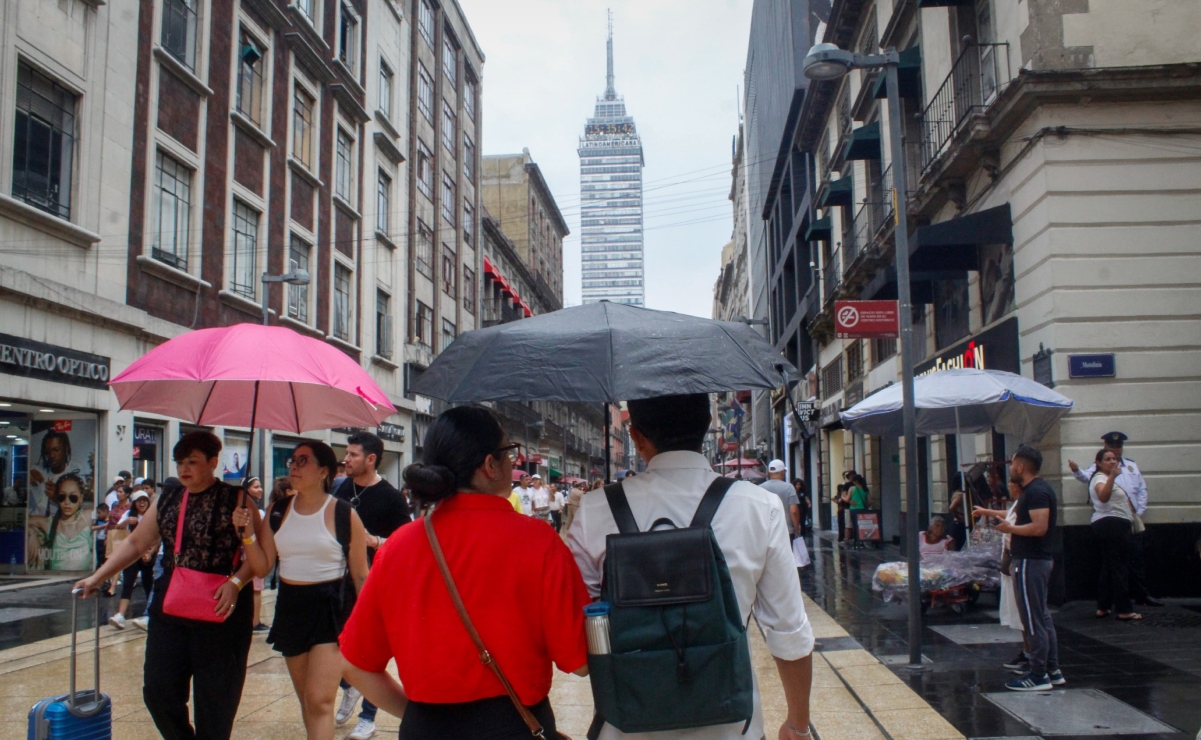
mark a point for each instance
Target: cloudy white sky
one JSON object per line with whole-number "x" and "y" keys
{"x": 678, "y": 64}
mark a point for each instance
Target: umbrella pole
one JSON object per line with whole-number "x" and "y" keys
{"x": 967, "y": 511}
{"x": 254, "y": 410}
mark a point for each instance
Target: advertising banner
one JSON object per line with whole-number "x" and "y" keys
{"x": 62, "y": 495}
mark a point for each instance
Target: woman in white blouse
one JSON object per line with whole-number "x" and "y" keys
{"x": 1112, "y": 523}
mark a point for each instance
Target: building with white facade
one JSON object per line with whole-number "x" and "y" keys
{"x": 611, "y": 201}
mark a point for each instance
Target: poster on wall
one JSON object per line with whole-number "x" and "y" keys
{"x": 62, "y": 488}
{"x": 234, "y": 456}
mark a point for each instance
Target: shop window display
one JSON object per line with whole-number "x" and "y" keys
{"x": 61, "y": 495}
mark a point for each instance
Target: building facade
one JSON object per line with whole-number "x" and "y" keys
{"x": 611, "y": 236}
{"x": 162, "y": 163}
{"x": 1052, "y": 216}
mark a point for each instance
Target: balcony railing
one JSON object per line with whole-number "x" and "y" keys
{"x": 980, "y": 72}
{"x": 832, "y": 275}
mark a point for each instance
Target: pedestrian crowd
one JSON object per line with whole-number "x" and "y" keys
{"x": 476, "y": 605}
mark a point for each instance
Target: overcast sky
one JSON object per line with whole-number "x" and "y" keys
{"x": 678, "y": 63}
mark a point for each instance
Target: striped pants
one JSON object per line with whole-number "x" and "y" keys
{"x": 1030, "y": 581}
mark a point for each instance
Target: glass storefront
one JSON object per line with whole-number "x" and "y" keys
{"x": 149, "y": 454}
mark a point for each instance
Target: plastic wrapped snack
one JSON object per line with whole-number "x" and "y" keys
{"x": 979, "y": 565}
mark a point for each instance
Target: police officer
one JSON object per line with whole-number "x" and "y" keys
{"x": 1131, "y": 480}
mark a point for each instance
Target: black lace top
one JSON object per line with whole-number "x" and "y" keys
{"x": 210, "y": 541}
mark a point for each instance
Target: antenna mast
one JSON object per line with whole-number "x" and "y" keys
{"x": 610, "y": 92}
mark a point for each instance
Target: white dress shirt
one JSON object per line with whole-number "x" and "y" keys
{"x": 751, "y": 529}
{"x": 1130, "y": 479}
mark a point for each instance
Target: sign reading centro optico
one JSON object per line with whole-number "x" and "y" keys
{"x": 43, "y": 361}
{"x": 866, "y": 319}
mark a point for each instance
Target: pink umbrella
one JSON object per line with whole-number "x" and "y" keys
{"x": 246, "y": 375}
{"x": 741, "y": 462}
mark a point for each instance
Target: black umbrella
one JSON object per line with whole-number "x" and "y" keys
{"x": 603, "y": 352}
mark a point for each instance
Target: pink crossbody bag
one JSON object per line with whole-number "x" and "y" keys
{"x": 191, "y": 594}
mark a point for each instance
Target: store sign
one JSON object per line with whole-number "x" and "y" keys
{"x": 348, "y": 430}
{"x": 391, "y": 432}
{"x": 47, "y": 362}
{"x": 994, "y": 349}
{"x": 807, "y": 410}
{"x": 1092, "y": 366}
{"x": 866, "y": 320}
{"x": 973, "y": 356}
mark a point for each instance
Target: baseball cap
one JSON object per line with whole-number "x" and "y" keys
{"x": 535, "y": 476}
{"x": 138, "y": 495}
{"x": 776, "y": 466}
{"x": 138, "y": 481}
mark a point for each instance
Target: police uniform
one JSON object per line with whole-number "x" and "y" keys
{"x": 1131, "y": 480}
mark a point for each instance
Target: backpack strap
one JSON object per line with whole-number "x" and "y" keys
{"x": 620, "y": 507}
{"x": 342, "y": 525}
{"x": 712, "y": 499}
{"x": 279, "y": 511}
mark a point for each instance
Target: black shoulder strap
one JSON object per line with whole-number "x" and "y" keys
{"x": 342, "y": 524}
{"x": 278, "y": 511}
{"x": 712, "y": 499}
{"x": 620, "y": 507}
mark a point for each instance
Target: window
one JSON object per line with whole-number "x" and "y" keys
{"x": 832, "y": 378}
{"x": 450, "y": 63}
{"x": 173, "y": 185}
{"x": 468, "y": 159}
{"x": 383, "y": 204}
{"x": 882, "y": 349}
{"x": 425, "y": 249}
{"x": 425, "y": 170}
{"x": 341, "y": 302}
{"x": 385, "y": 88}
{"x": 425, "y": 21}
{"x": 468, "y": 223}
{"x": 343, "y": 165}
{"x": 425, "y": 93}
{"x": 450, "y": 271}
{"x": 302, "y": 126}
{"x": 468, "y": 290}
{"x": 43, "y": 143}
{"x": 448, "y": 128}
{"x": 306, "y": 7}
{"x": 179, "y": 31}
{"x": 251, "y": 79}
{"x": 298, "y": 295}
{"x": 245, "y": 252}
{"x": 449, "y": 199}
{"x": 448, "y": 333}
{"x": 854, "y": 361}
{"x": 469, "y": 98}
{"x": 423, "y": 325}
{"x": 383, "y": 324}
{"x": 348, "y": 39}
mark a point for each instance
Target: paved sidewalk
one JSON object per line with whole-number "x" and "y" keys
{"x": 854, "y": 695}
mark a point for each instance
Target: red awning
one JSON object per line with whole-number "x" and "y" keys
{"x": 526, "y": 309}
{"x": 489, "y": 269}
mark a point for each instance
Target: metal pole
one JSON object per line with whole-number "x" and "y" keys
{"x": 905, "y": 308}
{"x": 608, "y": 445}
{"x": 262, "y": 437}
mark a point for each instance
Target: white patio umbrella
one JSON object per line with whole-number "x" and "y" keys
{"x": 963, "y": 401}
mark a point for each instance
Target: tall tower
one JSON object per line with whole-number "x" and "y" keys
{"x": 611, "y": 199}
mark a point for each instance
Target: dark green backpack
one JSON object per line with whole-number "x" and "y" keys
{"x": 679, "y": 653}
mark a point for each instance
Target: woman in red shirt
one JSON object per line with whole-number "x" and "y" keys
{"x": 519, "y": 582}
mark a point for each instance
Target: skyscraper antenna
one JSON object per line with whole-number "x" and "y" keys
{"x": 610, "y": 92}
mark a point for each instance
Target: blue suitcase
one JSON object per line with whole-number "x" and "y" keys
{"x": 79, "y": 715}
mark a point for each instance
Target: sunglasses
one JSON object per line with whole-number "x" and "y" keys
{"x": 509, "y": 451}
{"x": 299, "y": 461}
{"x": 72, "y": 498}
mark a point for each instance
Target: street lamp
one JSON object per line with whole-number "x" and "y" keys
{"x": 292, "y": 277}
{"x": 828, "y": 62}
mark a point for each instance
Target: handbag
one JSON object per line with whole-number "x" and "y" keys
{"x": 1136, "y": 522}
{"x": 1006, "y": 562}
{"x": 190, "y": 593}
{"x": 535, "y": 727}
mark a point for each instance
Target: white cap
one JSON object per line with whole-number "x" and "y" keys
{"x": 138, "y": 495}
{"x": 776, "y": 466}
{"x": 138, "y": 481}
{"x": 535, "y": 476}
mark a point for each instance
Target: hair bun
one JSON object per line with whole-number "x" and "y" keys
{"x": 430, "y": 483}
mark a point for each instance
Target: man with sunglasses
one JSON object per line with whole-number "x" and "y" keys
{"x": 383, "y": 510}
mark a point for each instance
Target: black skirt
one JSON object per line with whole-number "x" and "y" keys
{"x": 494, "y": 718}
{"x": 307, "y": 615}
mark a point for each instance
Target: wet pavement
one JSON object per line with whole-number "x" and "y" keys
{"x": 1126, "y": 680}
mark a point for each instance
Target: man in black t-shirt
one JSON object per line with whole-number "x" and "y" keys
{"x": 1033, "y": 542}
{"x": 383, "y": 510}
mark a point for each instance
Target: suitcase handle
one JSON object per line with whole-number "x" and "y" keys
{"x": 95, "y": 705}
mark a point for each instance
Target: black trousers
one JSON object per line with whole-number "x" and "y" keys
{"x": 1112, "y": 535}
{"x": 842, "y": 524}
{"x": 130, "y": 576}
{"x": 209, "y": 660}
{"x": 1138, "y": 568}
{"x": 487, "y": 719}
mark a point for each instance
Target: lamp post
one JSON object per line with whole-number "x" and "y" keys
{"x": 828, "y": 62}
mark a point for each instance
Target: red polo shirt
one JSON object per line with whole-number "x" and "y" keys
{"x": 521, "y": 587}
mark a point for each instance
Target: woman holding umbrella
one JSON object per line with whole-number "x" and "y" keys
{"x": 205, "y": 648}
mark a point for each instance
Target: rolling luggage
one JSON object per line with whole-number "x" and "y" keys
{"x": 79, "y": 715}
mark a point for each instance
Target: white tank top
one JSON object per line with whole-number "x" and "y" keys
{"x": 308, "y": 551}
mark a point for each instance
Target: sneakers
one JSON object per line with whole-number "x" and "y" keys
{"x": 1030, "y": 682}
{"x": 117, "y": 620}
{"x": 363, "y": 730}
{"x": 260, "y": 627}
{"x": 1019, "y": 664}
{"x": 142, "y": 623}
{"x": 1057, "y": 678}
{"x": 350, "y": 699}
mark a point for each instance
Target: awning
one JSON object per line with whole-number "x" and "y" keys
{"x": 909, "y": 76}
{"x": 864, "y": 143}
{"x": 883, "y": 287}
{"x": 819, "y": 230}
{"x": 954, "y": 244}
{"x": 555, "y": 473}
{"x": 525, "y": 308}
{"x": 489, "y": 269}
{"x": 838, "y": 193}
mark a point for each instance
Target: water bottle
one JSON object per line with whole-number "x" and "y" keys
{"x": 596, "y": 627}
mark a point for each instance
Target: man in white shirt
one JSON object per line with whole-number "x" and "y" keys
{"x": 751, "y": 529}
{"x": 526, "y": 494}
{"x": 776, "y": 470}
{"x": 557, "y": 499}
{"x": 1130, "y": 478}
{"x": 540, "y": 496}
